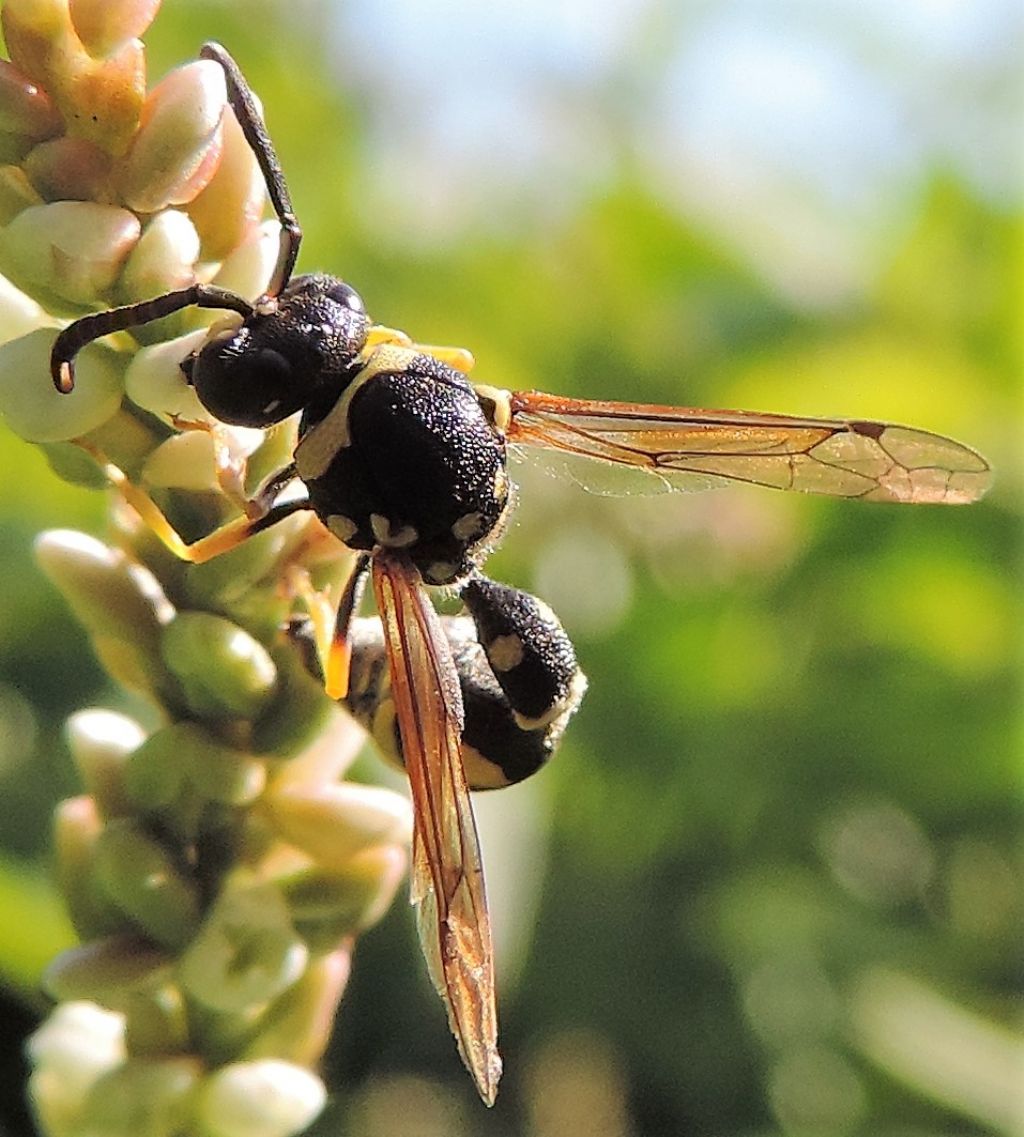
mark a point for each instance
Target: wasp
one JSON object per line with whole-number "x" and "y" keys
{"x": 405, "y": 461}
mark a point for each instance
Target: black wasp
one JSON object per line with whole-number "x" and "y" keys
{"x": 404, "y": 459}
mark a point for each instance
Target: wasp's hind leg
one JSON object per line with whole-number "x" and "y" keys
{"x": 518, "y": 705}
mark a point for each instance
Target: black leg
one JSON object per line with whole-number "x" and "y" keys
{"x": 251, "y": 121}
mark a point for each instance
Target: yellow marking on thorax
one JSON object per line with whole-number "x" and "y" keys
{"x": 321, "y": 443}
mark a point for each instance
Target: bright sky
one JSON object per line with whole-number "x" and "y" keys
{"x": 821, "y": 118}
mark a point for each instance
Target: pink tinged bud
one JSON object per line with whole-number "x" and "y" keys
{"x": 176, "y": 150}
{"x": 298, "y": 1025}
{"x": 24, "y": 107}
{"x": 231, "y": 206}
{"x": 105, "y": 25}
{"x": 263, "y": 1098}
{"x": 100, "y": 742}
{"x": 247, "y": 270}
{"x": 164, "y": 258}
{"x": 69, "y": 169}
{"x": 335, "y": 822}
{"x": 35, "y": 410}
{"x": 73, "y": 250}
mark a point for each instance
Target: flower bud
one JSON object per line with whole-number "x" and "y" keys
{"x": 142, "y": 1097}
{"x": 335, "y": 822}
{"x": 164, "y": 258}
{"x": 71, "y": 250}
{"x": 119, "y": 603}
{"x": 39, "y": 413}
{"x": 107, "y": 970}
{"x": 76, "y": 832}
{"x": 101, "y": 100}
{"x": 231, "y": 205}
{"x": 328, "y": 907}
{"x": 143, "y": 880}
{"x": 248, "y": 268}
{"x": 19, "y": 314}
{"x": 100, "y": 742}
{"x": 78, "y": 1043}
{"x": 297, "y": 1026}
{"x": 177, "y": 147}
{"x": 246, "y": 953}
{"x": 223, "y": 670}
{"x": 16, "y": 193}
{"x": 103, "y": 26}
{"x": 72, "y": 169}
{"x": 25, "y": 109}
{"x": 154, "y": 379}
{"x": 262, "y": 1098}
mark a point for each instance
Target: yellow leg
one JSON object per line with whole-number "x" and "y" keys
{"x": 222, "y": 540}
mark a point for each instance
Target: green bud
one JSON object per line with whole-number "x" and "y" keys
{"x": 25, "y": 109}
{"x": 19, "y": 314}
{"x": 157, "y": 1021}
{"x": 103, "y": 26}
{"x": 184, "y": 462}
{"x": 35, "y": 410}
{"x": 100, "y": 742}
{"x": 245, "y": 954}
{"x": 143, "y": 1097}
{"x": 141, "y": 878}
{"x": 159, "y": 768}
{"x": 328, "y": 907}
{"x": 73, "y": 250}
{"x": 119, "y": 602}
{"x": 164, "y": 258}
{"x": 299, "y": 713}
{"x": 16, "y": 193}
{"x": 177, "y": 147}
{"x": 106, "y": 971}
{"x": 335, "y": 822}
{"x": 71, "y": 464}
{"x": 223, "y": 670}
{"x": 263, "y": 1098}
{"x": 297, "y": 1026}
{"x": 76, "y": 831}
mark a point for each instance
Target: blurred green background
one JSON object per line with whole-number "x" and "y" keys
{"x": 771, "y": 885}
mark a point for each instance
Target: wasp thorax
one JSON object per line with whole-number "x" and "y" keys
{"x": 286, "y": 355}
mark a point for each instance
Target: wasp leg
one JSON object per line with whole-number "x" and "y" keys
{"x": 221, "y": 540}
{"x": 338, "y": 661}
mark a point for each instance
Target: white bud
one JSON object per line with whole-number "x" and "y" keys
{"x": 264, "y": 1098}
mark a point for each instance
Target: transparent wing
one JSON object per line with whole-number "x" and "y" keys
{"x": 447, "y": 875}
{"x": 687, "y": 448}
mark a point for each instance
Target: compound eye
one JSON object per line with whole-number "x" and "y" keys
{"x": 254, "y": 388}
{"x": 347, "y": 296}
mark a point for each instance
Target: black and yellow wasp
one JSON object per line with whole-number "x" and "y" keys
{"x": 404, "y": 460}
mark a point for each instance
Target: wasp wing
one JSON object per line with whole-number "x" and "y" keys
{"x": 447, "y": 874}
{"x": 687, "y": 448}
